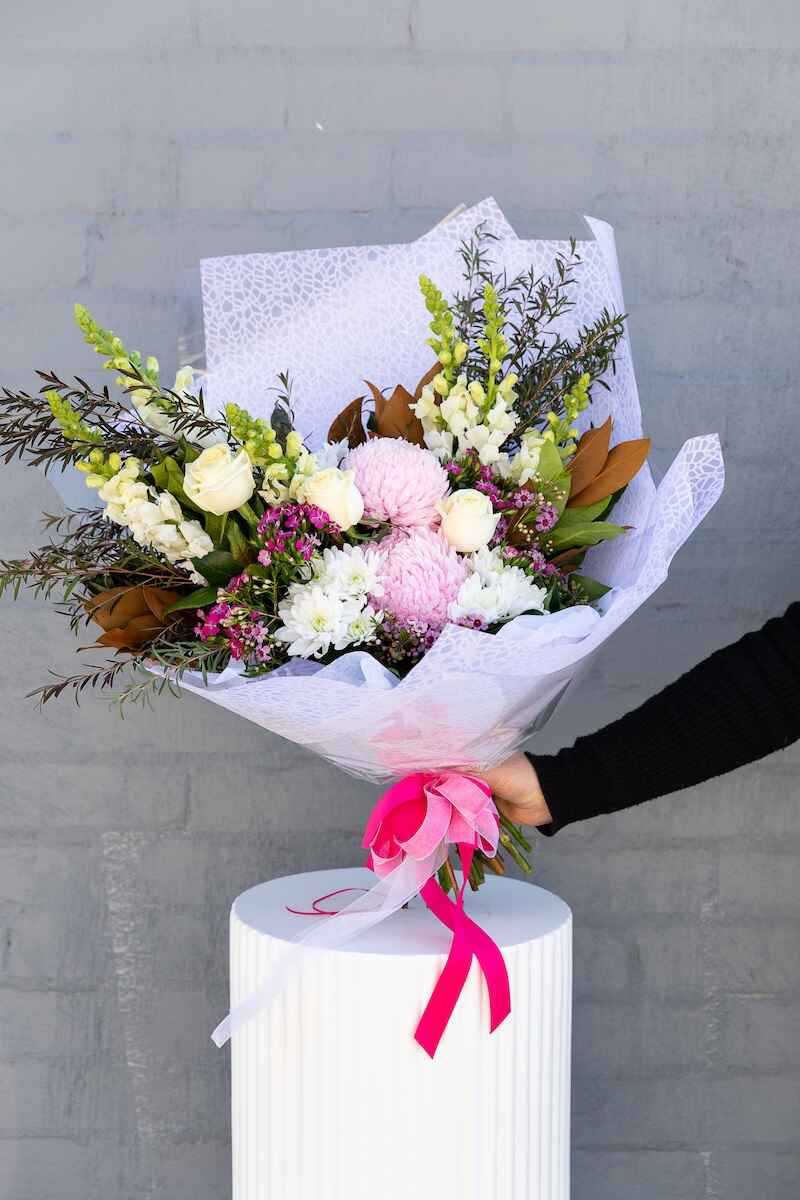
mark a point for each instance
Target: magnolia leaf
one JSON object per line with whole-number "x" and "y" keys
{"x": 550, "y": 466}
{"x": 592, "y": 587}
{"x": 394, "y": 418}
{"x": 573, "y": 536}
{"x": 574, "y": 515}
{"x": 218, "y": 567}
{"x": 132, "y": 636}
{"x": 349, "y": 425}
{"x": 590, "y": 456}
{"x": 624, "y": 461}
{"x": 200, "y": 598}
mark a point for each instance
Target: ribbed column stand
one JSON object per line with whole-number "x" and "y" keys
{"x": 332, "y": 1098}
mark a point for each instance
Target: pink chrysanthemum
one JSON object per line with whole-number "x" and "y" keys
{"x": 421, "y": 575}
{"x": 399, "y": 482}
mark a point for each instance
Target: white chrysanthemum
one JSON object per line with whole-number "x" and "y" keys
{"x": 314, "y": 620}
{"x": 350, "y": 571}
{"x": 331, "y": 454}
{"x": 362, "y": 628}
{"x": 495, "y": 592}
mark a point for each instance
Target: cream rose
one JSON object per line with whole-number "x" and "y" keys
{"x": 335, "y": 493}
{"x": 468, "y": 520}
{"x": 219, "y": 481}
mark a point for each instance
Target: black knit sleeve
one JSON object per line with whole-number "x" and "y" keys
{"x": 736, "y": 706}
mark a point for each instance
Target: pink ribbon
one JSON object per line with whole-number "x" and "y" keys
{"x": 418, "y": 818}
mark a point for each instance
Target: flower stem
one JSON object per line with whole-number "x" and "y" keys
{"x": 522, "y": 862}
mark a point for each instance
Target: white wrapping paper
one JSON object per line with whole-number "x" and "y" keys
{"x": 333, "y": 316}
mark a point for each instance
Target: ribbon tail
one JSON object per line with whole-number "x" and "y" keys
{"x": 449, "y": 985}
{"x": 469, "y": 941}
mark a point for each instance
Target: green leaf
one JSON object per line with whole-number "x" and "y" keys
{"x": 579, "y": 516}
{"x": 550, "y": 467}
{"x": 197, "y": 599}
{"x": 168, "y": 477}
{"x": 237, "y": 542}
{"x": 218, "y": 567}
{"x": 550, "y": 470}
{"x": 587, "y": 534}
{"x": 215, "y": 526}
{"x": 190, "y": 452}
{"x": 592, "y": 587}
{"x": 249, "y": 515}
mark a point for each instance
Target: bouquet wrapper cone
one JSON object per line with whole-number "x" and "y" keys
{"x": 333, "y": 1098}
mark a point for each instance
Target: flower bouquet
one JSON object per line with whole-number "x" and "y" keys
{"x": 411, "y": 592}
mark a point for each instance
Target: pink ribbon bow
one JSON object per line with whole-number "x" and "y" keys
{"x": 418, "y": 818}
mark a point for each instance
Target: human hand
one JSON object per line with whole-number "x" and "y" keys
{"x": 517, "y": 792}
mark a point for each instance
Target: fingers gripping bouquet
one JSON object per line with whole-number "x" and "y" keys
{"x": 409, "y": 596}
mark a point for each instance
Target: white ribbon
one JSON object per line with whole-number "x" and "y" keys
{"x": 329, "y": 933}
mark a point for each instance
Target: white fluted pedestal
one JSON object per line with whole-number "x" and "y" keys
{"x": 334, "y": 1100}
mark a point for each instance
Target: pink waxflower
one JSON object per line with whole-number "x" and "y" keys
{"x": 400, "y": 483}
{"x": 421, "y": 575}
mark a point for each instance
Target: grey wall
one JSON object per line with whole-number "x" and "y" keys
{"x": 137, "y": 137}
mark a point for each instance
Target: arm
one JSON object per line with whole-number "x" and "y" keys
{"x": 738, "y": 705}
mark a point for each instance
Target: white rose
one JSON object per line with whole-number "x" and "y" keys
{"x": 219, "y": 481}
{"x": 468, "y": 520}
{"x": 335, "y": 492}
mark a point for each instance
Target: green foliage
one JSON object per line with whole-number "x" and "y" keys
{"x": 443, "y": 342}
{"x": 106, "y": 343}
{"x": 69, "y": 420}
{"x": 572, "y": 536}
{"x": 199, "y": 598}
{"x": 218, "y": 567}
{"x": 168, "y": 477}
{"x": 256, "y": 435}
{"x": 493, "y": 346}
{"x": 591, "y": 588}
{"x": 549, "y": 367}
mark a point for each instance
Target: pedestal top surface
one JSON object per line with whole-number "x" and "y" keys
{"x": 510, "y": 911}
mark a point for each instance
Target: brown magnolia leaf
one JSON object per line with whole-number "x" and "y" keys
{"x": 349, "y": 424}
{"x": 393, "y": 417}
{"x": 114, "y": 608}
{"x": 158, "y": 600}
{"x": 624, "y": 461}
{"x": 569, "y": 558}
{"x": 133, "y": 635}
{"x": 131, "y": 617}
{"x": 590, "y": 457}
{"x": 427, "y": 378}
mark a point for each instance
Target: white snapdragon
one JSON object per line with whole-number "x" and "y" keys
{"x": 495, "y": 592}
{"x": 465, "y": 418}
{"x": 333, "y": 610}
{"x": 525, "y": 463}
{"x": 155, "y": 519}
{"x": 122, "y": 490}
{"x": 156, "y": 415}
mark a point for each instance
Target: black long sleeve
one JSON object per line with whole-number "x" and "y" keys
{"x": 736, "y": 706}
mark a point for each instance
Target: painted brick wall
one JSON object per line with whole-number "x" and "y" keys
{"x": 136, "y": 138}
